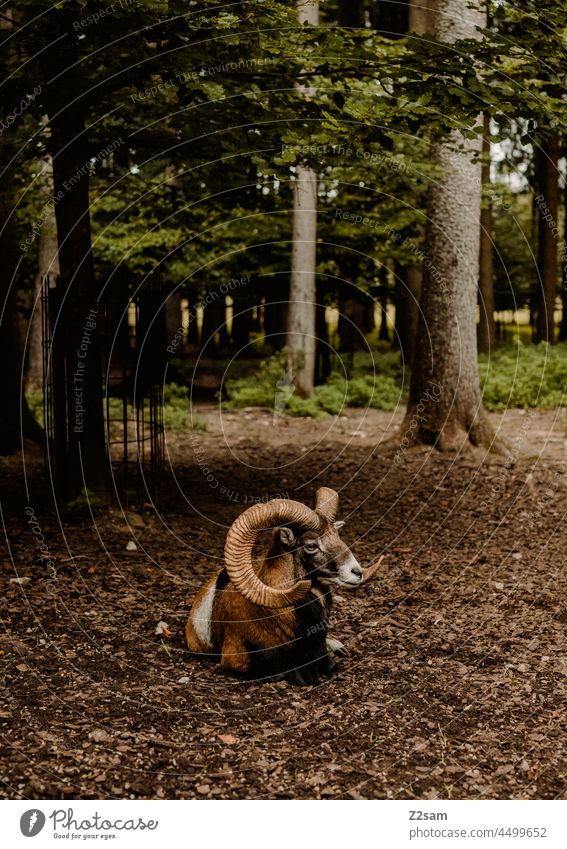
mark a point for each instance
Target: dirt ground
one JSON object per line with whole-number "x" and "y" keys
{"x": 455, "y": 685}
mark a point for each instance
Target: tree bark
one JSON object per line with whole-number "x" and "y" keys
{"x": 214, "y": 323}
{"x": 351, "y": 14}
{"x": 563, "y": 325}
{"x": 301, "y": 330}
{"x": 83, "y": 463}
{"x": 421, "y": 16}
{"x": 47, "y": 267}
{"x": 242, "y": 307}
{"x": 408, "y": 284}
{"x": 548, "y": 217}
{"x": 276, "y": 304}
{"x": 445, "y": 406}
{"x": 486, "y": 326}
{"x": 16, "y": 419}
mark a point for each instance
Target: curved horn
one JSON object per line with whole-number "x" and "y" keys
{"x": 327, "y": 503}
{"x": 240, "y": 541}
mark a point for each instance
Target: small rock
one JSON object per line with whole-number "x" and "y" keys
{"x": 184, "y": 679}
{"x": 131, "y": 545}
{"x": 20, "y": 581}
{"x": 98, "y": 735}
{"x": 203, "y": 789}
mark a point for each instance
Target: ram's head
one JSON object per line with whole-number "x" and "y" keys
{"x": 310, "y": 536}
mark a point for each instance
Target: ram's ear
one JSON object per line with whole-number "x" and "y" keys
{"x": 287, "y": 537}
{"x": 338, "y": 525}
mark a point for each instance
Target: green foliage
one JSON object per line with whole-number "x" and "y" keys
{"x": 35, "y": 403}
{"x": 524, "y": 376}
{"x": 176, "y": 411}
{"x": 512, "y": 376}
{"x": 379, "y": 385}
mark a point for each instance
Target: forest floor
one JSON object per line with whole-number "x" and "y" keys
{"x": 455, "y": 685}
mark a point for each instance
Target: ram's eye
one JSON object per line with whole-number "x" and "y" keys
{"x": 311, "y": 547}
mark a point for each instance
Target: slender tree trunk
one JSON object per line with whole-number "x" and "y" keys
{"x": 323, "y": 358}
{"x": 409, "y": 280}
{"x": 486, "y": 326}
{"x": 563, "y": 326}
{"x": 212, "y": 319}
{"x": 408, "y": 284}
{"x": 16, "y": 419}
{"x": 301, "y": 330}
{"x": 84, "y": 463}
{"x": 276, "y": 305}
{"x": 193, "y": 336}
{"x": 548, "y": 217}
{"x": 445, "y": 406}
{"x": 48, "y": 267}
{"x": 384, "y": 332}
{"x": 421, "y": 16}
{"x": 351, "y": 14}
{"x": 242, "y": 307}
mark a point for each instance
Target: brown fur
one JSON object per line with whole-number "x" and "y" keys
{"x": 237, "y": 623}
{"x": 288, "y": 641}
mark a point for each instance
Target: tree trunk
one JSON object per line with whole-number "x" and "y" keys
{"x": 83, "y": 462}
{"x": 242, "y": 307}
{"x": 563, "y": 325}
{"x": 351, "y": 14}
{"x": 16, "y": 419}
{"x": 214, "y": 315}
{"x": 384, "y": 333}
{"x": 276, "y": 304}
{"x": 193, "y": 336}
{"x": 548, "y": 217}
{"x": 323, "y": 356}
{"x": 445, "y": 405}
{"x": 301, "y": 332}
{"x": 486, "y": 326}
{"x": 408, "y": 284}
{"x": 47, "y": 267}
{"x": 421, "y": 16}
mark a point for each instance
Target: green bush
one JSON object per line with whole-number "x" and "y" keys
{"x": 35, "y": 403}
{"x": 376, "y": 381}
{"x": 524, "y": 376}
{"x": 176, "y": 410}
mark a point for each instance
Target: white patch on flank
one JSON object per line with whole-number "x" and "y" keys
{"x": 202, "y": 618}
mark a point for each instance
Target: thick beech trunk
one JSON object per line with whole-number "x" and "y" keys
{"x": 445, "y": 406}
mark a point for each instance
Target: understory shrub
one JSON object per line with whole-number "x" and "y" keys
{"x": 375, "y": 382}
{"x": 524, "y": 376}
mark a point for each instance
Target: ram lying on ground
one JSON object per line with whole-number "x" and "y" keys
{"x": 271, "y": 621}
